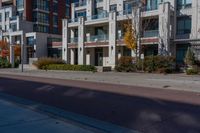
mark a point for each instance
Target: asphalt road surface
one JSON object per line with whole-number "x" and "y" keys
{"x": 147, "y": 110}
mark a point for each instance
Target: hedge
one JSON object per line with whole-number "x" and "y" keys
{"x": 43, "y": 62}
{"x": 69, "y": 67}
{"x": 158, "y": 64}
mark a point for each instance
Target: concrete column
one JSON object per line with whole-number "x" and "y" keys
{"x": 65, "y": 50}
{"x": 106, "y": 5}
{"x": 88, "y": 57}
{"x": 195, "y": 33}
{"x": 120, "y": 5}
{"x": 12, "y": 56}
{"x": 89, "y": 8}
{"x": 164, "y": 29}
{"x": 72, "y": 57}
{"x": 81, "y": 38}
{"x": 112, "y": 39}
{"x": 73, "y": 11}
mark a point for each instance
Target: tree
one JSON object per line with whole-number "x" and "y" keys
{"x": 133, "y": 28}
{"x": 17, "y": 50}
{"x": 130, "y": 38}
{"x": 4, "y": 49}
{"x": 189, "y": 57}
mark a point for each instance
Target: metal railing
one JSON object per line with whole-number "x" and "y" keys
{"x": 97, "y": 38}
{"x": 80, "y": 4}
{"x": 124, "y": 12}
{"x": 73, "y": 40}
{"x": 151, "y": 33}
{"x": 97, "y": 16}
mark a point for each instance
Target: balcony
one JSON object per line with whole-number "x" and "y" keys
{"x": 124, "y": 12}
{"x": 97, "y": 16}
{"x": 73, "y": 20}
{"x": 97, "y": 38}
{"x": 80, "y": 4}
{"x": 149, "y": 8}
{"x": 150, "y": 33}
{"x": 73, "y": 40}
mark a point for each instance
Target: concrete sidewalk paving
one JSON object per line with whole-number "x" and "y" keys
{"x": 18, "y": 115}
{"x": 170, "y": 81}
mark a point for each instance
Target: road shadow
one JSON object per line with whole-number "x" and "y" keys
{"x": 148, "y": 115}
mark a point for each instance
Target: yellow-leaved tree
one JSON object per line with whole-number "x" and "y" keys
{"x": 130, "y": 37}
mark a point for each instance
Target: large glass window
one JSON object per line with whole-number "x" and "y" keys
{"x": 152, "y": 5}
{"x": 80, "y": 14}
{"x": 41, "y": 17}
{"x": 113, "y": 7}
{"x": 184, "y": 25}
{"x": 41, "y": 4}
{"x": 184, "y": 4}
{"x": 20, "y": 4}
{"x": 128, "y": 7}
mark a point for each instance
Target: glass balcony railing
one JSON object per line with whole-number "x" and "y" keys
{"x": 124, "y": 12}
{"x": 98, "y": 1}
{"x": 73, "y": 20}
{"x": 97, "y": 16}
{"x": 80, "y": 4}
{"x": 73, "y": 40}
{"x": 97, "y": 38}
{"x": 151, "y": 33}
{"x": 149, "y": 8}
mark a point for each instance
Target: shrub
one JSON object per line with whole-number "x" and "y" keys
{"x": 4, "y": 63}
{"x": 42, "y": 63}
{"x": 70, "y": 67}
{"x": 125, "y": 64}
{"x": 161, "y": 64}
{"x": 191, "y": 71}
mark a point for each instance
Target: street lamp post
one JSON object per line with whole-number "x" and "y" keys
{"x": 22, "y": 53}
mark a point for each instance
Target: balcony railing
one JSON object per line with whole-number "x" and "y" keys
{"x": 151, "y": 33}
{"x": 98, "y": 1}
{"x": 73, "y": 40}
{"x": 97, "y": 16}
{"x": 80, "y": 4}
{"x": 124, "y": 12}
{"x": 149, "y": 8}
{"x": 73, "y": 20}
{"x": 97, "y": 38}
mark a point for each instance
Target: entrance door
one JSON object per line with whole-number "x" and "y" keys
{"x": 99, "y": 57}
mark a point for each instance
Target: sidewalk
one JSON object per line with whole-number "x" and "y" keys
{"x": 171, "y": 81}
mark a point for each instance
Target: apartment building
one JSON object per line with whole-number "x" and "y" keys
{"x": 94, "y": 35}
{"x": 35, "y": 24}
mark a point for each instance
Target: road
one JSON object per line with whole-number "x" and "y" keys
{"x": 147, "y": 110}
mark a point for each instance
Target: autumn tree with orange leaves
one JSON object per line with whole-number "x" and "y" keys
{"x": 4, "y": 49}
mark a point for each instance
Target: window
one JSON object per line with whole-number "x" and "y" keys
{"x": 41, "y": 17}
{"x": 113, "y": 7}
{"x": 41, "y": 28}
{"x": 128, "y": 7}
{"x": 184, "y": 4}
{"x": 30, "y": 41}
{"x": 184, "y": 25}
{"x": 20, "y": 4}
{"x": 80, "y": 14}
{"x": 41, "y": 4}
{"x": 152, "y": 5}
